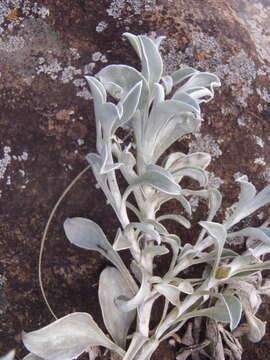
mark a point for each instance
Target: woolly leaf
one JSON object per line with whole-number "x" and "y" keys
{"x": 116, "y": 321}
{"x": 88, "y": 235}
{"x": 126, "y": 78}
{"x": 201, "y": 79}
{"x": 187, "y": 99}
{"x": 129, "y": 104}
{"x": 178, "y": 218}
{"x": 156, "y": 177}
{"x": 257, "y": 327}
{"x": 152, "y": 65}
{"x": 262, "y": 234}
{"x": 218, "y": 234}
{"x": 135, "y": 43}
{"x": 182, "y": 74}
{"x": 67, "y": 338}
{"x": 30, "y": 357}
{"x": 9, "y": 356}
{"x": 170, "y": 292}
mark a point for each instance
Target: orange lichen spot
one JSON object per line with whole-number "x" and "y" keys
{"x": 199, "y": 56}
{"x": 13, "y": 14}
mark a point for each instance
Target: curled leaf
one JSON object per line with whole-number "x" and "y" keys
{"x": 129, "y": 105}
{"x": 178, "y": 218}
{"x": 182, "y": 74}
{"x": 262, "y": 234}
{"x": 218, "y": 234}
{"x": 170, "y": 292}
{"x": 179, "y": 160}
{"x": 257, "y": 327}
{"x": 249, "y": 201}
{"x": 167, "y": 83}
{"x": 158, "y": 178}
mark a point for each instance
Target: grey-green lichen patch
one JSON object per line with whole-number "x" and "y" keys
{"x": 259, "y": 141}
{"x": 205, "y": 143}
{"x": 74, "y": 53}
{"x": 101, "y": 26}
{"x": 214, "y": 181}
{"x": 239, "y": 74}
{"x": 3, "y": 301}
{"x": 21, "y": 48}
{"x": 55, "y": 69}
{"x": 69, "y": 73}
{"x": 49, "y": 67}
{"x": 264, "y": 94}
{"x": 172, "y": 57}
{"x": 97, "y": 56}
{"x": 244, "y": 120}
{"x": 12, "y": 43}
{"x": 134, "y": 6}
{"x": 194, "y": 202}
{"x": 5, "y": 162}
{"x": 260, "y": 161}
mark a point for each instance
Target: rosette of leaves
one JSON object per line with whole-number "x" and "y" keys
{"x": 159, "y": 110}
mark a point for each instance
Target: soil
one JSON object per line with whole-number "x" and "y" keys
{"x": 47, "y": 126}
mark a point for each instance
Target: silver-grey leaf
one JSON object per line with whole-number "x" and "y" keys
{"x": 125, "y": 304}
{"x": 234, "y": 309}
{"x": 260, "y": 233}
{"x": 154, "y": 250}
{"x": 158, "y": 179}
{"x": 67, "y": 338}
{"x": 257, "y": 327}
{"x": 152, "y": 64}
{"x": 218, "y": 233}
{"x": 121, "y": 242}
{"x": 178, "y": 218}
{"x": 126, "y": 78}
{"x": 200, "y": 94}
{"x": 88, "y": 235}
{"x": 201, "y": 79}
{"x": 116, "y": 321}
{"x": 170, "y": 292}
{"x": 186, "y": 98}
{"x": 249, "y": 202}
{"x": 129, "y": 105}
{"x": 30, "y": 357}
{"x": 178, "y": 160}
{"x": 182, "y": 74}
{"x": 170, "y": 132}
{"x": 135, "y": 42}
{"x": 9, "y": 356}
{"x": 167, "y": 83}
{"x": 137, "y": 341}
{"x": 193, "y": 172}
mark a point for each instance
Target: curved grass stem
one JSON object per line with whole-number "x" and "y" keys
{"x": 45, "y": 232}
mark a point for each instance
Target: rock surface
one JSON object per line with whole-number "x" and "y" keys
{"x": 47, "y": 127}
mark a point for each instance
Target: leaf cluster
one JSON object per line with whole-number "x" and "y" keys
{"x": 158, "y": 110}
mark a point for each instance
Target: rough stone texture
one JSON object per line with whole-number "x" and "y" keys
{"x": 47, "y": 127}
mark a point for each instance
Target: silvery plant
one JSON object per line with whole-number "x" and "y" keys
{"x": 203, "y": 314}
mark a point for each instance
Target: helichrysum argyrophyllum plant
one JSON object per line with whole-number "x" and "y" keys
{"x": 157, "y": 111}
